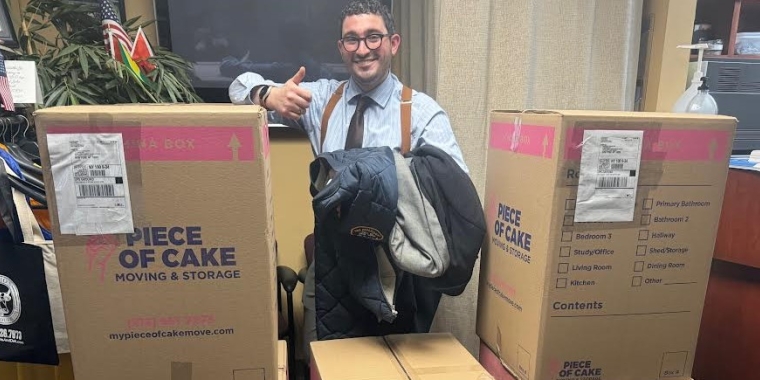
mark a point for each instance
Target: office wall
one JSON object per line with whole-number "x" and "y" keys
{"x": 515, "y": 54}
{"x": 666, "y": 66}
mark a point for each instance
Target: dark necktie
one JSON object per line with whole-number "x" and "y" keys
{"x": 356, "y": 127}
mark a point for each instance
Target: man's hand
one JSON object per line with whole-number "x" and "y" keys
{"x": 290, "y": 100}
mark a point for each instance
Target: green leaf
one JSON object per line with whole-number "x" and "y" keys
{"x": 84, "y": 63}
{"x": 86, "y": 98}
{"x": 63, "y": 98}
{"x": 52, "y": 97}
{"x": 94, "y": 57}
{"x": 68, "y": 50}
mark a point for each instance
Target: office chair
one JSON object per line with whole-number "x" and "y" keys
{"x": 287, "y": 280}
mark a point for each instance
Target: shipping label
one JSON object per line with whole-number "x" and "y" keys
{"x": 90, "y": 183}
{"x": 609, "y": 176}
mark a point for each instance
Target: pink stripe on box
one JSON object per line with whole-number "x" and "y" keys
{"x": 668, "y": 144}
{"x": 531, "y": 140}
{"x": 179, "y": 143}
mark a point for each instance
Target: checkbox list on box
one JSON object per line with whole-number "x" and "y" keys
{"x": 567, "y": 236}
{"x": 563, "y": 268}
{"x": 648, "y": 203}
{"x": 636, "y": 282}
{"x": 561, "y": 283}
{"x": 570, "y": 204}
{"x": 569, "y": 220}
{"x": 644, "y": 235}
{"x": 564, "y": 251}
{"x": 638, "y": 266}
{"x": 641, "y": 250}
{"x": 646, "y": 220}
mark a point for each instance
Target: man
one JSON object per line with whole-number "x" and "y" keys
{"x": 368, "y": 43}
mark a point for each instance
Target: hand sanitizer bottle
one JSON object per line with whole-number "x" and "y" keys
{"x": 703, "y": 102}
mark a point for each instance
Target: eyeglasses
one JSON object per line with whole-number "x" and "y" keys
{"x": 372, "y": 42}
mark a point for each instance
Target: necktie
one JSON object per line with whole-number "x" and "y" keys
{"x": 356, "y": 127}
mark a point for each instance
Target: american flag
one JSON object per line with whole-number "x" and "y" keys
{"x": 111, "y": 24}
{"x": 5, "y": 87}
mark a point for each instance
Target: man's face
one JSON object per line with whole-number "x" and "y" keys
{"x": 367, "y": 66}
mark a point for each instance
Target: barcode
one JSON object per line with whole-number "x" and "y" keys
{"x": 96, "y": 191}
{"x": 102, "y": 173}
{"x": 614, "y": 167}
{"x": 611, "y": 182}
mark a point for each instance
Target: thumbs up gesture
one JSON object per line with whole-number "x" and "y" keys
{"x": 290, "y": 100}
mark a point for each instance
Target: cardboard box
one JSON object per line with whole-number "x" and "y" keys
{"x": 493, "y": 364}
{"x": 163, "y": 229}
{"x": 620, "y": 294}
{"x": 282, "y": 360}
{"x": 395, "y": 357}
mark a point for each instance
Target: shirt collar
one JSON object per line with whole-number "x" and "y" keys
{"x": 380, "y": 94}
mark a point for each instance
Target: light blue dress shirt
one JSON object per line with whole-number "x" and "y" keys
{"x": 382, "y": 119}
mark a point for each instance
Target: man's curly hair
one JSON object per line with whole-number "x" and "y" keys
{"x": 374, "y": 7}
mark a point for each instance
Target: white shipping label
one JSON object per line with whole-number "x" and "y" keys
{"x": 609, "y": 175}
{"x": 91, "y": 187}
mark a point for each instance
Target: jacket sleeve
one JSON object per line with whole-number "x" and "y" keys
{"x": 457, "y": 205}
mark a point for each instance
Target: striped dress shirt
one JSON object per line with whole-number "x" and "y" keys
{"x": 382, "y": 119}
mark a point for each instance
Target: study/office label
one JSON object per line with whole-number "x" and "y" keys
{"x": 594, "y": 252}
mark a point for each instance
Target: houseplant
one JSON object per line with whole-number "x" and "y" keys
{"x": 74, "y": 67}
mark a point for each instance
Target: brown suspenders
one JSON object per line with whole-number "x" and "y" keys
{"x": 406, "y": 117}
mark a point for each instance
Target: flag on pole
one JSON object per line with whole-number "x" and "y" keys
{"x": 141, "y": 51}
{"x": 112, "y": 27}
{"x": 126, "y": 58}
{"x": 5, "y": 87}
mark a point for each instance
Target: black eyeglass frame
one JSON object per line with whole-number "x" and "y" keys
{"x": 365, "y": 39}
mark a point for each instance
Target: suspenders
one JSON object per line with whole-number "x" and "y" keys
{"x": 406, "y": 116}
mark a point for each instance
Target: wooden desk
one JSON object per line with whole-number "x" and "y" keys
{"x": 729, "y": 338}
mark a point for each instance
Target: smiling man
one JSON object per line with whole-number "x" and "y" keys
{"x": 367, "y": 44}
{"x": 364, "y": 111}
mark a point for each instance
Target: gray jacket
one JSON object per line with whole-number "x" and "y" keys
{"x": 417, "y": 243}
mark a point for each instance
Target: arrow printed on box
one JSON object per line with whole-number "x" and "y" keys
{"x": 544, "y": 144}
{"x": 234, "y": 146}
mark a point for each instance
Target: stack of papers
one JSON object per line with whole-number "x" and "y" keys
{"x": 746, "y": 162}
{"x": 754, "y": 156}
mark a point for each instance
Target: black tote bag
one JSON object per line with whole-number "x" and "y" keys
{"x": 26, "y": 323}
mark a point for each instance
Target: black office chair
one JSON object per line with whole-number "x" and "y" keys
{"x": 287, "y": 280}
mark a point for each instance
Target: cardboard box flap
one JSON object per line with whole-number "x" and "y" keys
{"x": 153, "y": 108}
{"x": 603, "y": 113}
{"x": 435, "y": 356}
{"x": 356, "y": 359}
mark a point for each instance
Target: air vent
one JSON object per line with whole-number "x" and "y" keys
{"x": 728, "y": 79}
{"x": 750, "y": 87}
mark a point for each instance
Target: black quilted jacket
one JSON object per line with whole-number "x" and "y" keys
{"x": 356, "y": 211}
{"x": 353, "y": 212}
